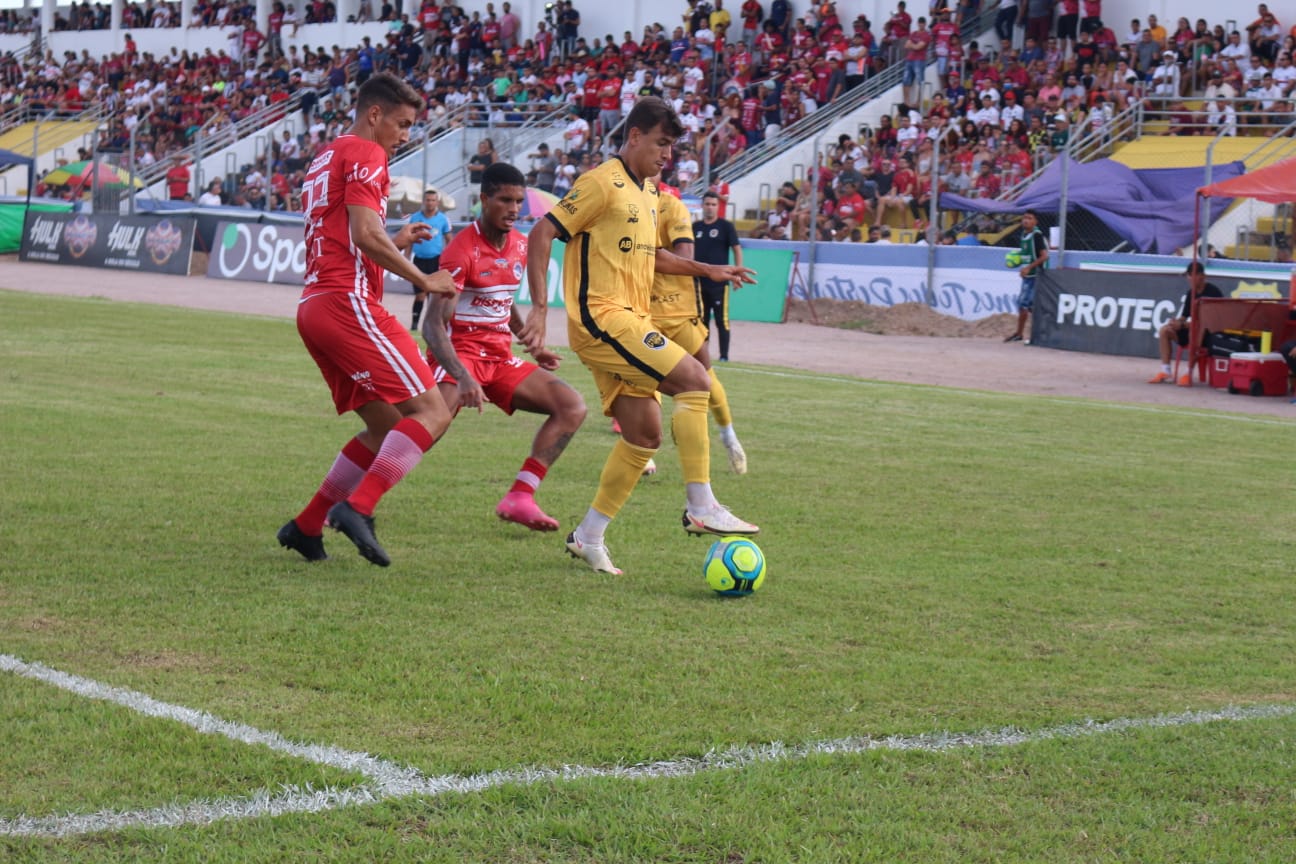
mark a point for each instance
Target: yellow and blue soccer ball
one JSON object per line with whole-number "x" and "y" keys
{"x": 1013, "y": 259}
{"x": 734, "y": 567}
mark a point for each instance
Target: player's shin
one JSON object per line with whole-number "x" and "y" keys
{"x": 621, "y": 473}
{"x": 402, "y": 449}
{"x": 719, "y": 402}
{"x": 342, "y": 479}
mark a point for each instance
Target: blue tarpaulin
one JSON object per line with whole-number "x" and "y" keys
{"x": 1150, "y": 208}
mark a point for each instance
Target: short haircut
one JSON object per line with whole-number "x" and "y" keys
{"x": 1195, "y": 267}
{"x": 710, "y": 194}
{"x": 652, "y": 111}
{"x": 499, "y": 174}
{"x": 1032, "y": 214}
{"x": 387, "y": 91}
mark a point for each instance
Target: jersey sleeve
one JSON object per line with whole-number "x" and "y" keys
{"x": 580, "y": 207}
{"x": 673, "y": 222}
{"x": 456, "y": 260}
{"x": 365, "y": 175}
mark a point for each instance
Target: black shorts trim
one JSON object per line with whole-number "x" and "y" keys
{"x": 587, "y": 318}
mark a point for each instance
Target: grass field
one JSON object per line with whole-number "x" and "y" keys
{"x": 944, "y": 566}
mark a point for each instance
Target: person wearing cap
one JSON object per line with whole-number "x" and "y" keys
{"x": 1177, "y": 330}
{"x": 1165, "y": 78}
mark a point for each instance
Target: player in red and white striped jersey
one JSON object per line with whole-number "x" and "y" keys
{"x": 470, "y": 341}
{"x": 369, "y": 360}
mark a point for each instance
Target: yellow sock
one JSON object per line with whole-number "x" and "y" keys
{"x": 621, "y": 471}
{"x": 689, "y": 428}
{"x": 719, "y": 401}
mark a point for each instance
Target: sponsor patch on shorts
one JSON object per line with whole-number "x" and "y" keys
{"x": 655, "y": 340}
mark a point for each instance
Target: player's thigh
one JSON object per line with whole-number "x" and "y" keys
{"x": 628, "y": 346}
{"x": 542, "y": 392}
{"x": 364, "y": 353}
{"x": 688, "y": 333}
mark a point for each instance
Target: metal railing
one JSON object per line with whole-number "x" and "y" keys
{"x": 204, "y": 143}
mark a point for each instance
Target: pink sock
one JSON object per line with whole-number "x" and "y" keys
{"x": 402, "y": 449}
{"x": 342, "y": 479}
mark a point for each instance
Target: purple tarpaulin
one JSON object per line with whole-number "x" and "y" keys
{"x": 1151, "y": 208}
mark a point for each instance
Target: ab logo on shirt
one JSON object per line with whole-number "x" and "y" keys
{"x": 625, "y": 244}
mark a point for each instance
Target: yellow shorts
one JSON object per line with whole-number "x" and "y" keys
{"x": 627, "y": 353}
{"x": 688, "y": 333}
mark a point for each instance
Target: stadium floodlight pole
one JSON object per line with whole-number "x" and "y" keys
{"x": 1204, "y": 235}
{"x": 932, "y": 221}
{"x": 814, "y": 215}
{"x": 706, "y": 155}
{"x": 134, "y": 130}
{"x": 1062, "y": 197}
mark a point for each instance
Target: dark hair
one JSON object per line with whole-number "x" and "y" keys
{"x": 1031, "y": 213}
{"x": 499, "y": 174}
{"x": 387, "y": 91}
{"x": 1195, "y": 267}
{"x": 652, "y": 111}
{"x": 709, "y": 194}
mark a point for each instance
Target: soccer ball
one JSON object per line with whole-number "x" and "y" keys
{"x": 1013, "y": 259}
{"x": 734, "y": 567}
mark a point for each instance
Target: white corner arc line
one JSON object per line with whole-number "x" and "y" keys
{"x": 387, "y": 780}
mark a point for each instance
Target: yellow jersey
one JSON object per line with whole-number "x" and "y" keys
{"x": 609, "y": 222}
{"x": 673, "y": 296}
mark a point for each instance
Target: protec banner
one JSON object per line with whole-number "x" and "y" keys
{"x": 142, "y": 243}
{"x": 1110, "y": 312}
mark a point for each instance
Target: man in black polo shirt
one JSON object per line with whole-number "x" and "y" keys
{"x": 1176, "y": 330}
{"x": 713, "y": 238}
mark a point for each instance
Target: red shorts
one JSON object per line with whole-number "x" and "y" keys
{"x": 364, "y": 353}
{"x": 498, "y": 374}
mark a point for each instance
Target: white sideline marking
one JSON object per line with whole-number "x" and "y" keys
{"x": 386, "y": 780}
{"x": 1220, "y": 414}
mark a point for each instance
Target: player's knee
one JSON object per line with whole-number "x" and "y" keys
{"x": 571, "y": 409}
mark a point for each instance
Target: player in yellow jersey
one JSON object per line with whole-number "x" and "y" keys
{"x": 609, "y": 221}
{"x": 677, "y": 312}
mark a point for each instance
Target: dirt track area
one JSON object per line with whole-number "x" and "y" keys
{"x": 908, "y": 343}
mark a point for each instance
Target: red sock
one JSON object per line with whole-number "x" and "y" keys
{"x": 348, "y": 470}
{"x": 402, "y": 449}
{"x": 528, "y": 479}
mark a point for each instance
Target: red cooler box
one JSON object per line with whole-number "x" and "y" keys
{"x": 1258, "y": 374}
{"x": 1218, "y": 373}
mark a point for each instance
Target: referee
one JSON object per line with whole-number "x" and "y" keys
{"x": 713, "y": 238}
{"x": 427, "y": 254}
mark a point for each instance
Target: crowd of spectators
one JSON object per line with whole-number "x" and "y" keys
{"x": 999, "y": 115}
{"x": 735, "y": 79}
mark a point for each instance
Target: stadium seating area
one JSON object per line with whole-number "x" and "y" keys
{"x": 1000, "y": 111}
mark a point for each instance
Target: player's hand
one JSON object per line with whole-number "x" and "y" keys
{"x": 440, "y": 282}
{"x": 414, "y": 232}
{"x": 546, "y": 359}
{"x": 532, "y": 334}
{"x": 732, "y": 273}
{"x": 471, "y": 394}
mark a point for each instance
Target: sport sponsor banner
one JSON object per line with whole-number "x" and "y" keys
{"x": 1112, "y": 313}
{"x": 142, "y": 243}
{"x": 885, "y": 278}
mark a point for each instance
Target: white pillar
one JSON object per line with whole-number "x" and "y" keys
{"x": 186, "y": 14}
{"x": 263, "y": 17}
{"x": 115, "y": 16}
{"x": 47, "y": 19}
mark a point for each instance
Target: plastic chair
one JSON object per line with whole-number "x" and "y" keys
{"x": 1200, "y": 358}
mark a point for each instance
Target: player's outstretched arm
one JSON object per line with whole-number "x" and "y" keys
{"x": 414, "y": 232}
{"x": 368, "y": 233}
{"x": 539, "y": 249}
{"x": 437, "y": 336}
{"x": 667, "y": 262}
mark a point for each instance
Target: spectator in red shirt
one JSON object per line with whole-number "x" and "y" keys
{"x": 177, "y": 178}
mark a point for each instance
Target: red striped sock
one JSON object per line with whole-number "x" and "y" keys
{"x": 348, "y": 470}
{"x": 528, "y": 479}
{"x": 401, "y": 450}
